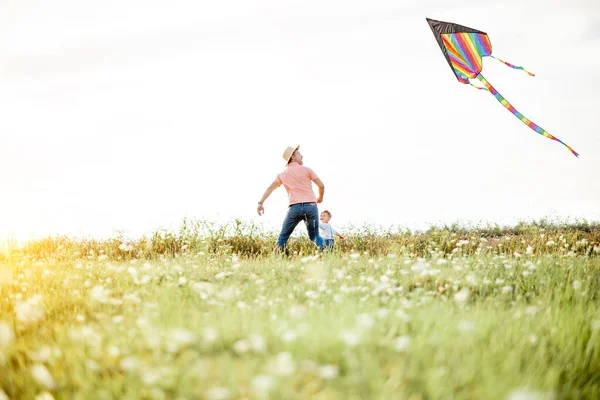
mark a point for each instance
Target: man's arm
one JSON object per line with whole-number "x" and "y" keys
{"x": 321, "y": 186}
{"x": 260, "y": 209}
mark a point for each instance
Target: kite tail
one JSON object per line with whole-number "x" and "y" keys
{"x": 512, "y": 66}
{"x": 477, "y": 87}
{"x": 517, "y": 114}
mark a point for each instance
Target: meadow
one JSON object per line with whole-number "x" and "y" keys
{"x": 209, "y": 312}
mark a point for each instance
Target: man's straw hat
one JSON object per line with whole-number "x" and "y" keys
{"x": 287, "y": 154}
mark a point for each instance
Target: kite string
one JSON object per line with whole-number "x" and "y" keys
{"x": 512, "y": 66}
{"x": 517, "y": 114}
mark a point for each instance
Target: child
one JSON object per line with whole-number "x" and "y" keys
{"x": 326, "y": 231}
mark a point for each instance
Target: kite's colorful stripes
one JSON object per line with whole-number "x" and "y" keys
{"x": 517, "y": 114}
{"x": 465, "y": 51}
{"x": 512, "y": 66}
{"x": 477, "y": 87}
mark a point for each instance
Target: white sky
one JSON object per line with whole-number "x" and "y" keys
{"x": 129, "y": 115}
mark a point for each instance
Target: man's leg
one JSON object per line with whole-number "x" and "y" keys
{"x": 292, "y": 219}
{"x": 311, "y": 219}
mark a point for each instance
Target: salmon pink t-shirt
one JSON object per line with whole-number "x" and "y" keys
{"x": 297, "y": 180}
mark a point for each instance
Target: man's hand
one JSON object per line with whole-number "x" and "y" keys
{"x": 321, "y": 186}
{"x": 260, "y": 209}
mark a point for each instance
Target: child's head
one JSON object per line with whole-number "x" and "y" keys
{"x": 325, "y": 216}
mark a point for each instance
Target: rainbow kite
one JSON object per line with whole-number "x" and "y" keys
{"x": 463, "y": 48}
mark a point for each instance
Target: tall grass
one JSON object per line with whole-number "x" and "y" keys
{"x": 209, "y": 312}
{"x": 246, "y": 239}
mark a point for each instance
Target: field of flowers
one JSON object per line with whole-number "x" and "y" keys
{"x": 444, "y": 314}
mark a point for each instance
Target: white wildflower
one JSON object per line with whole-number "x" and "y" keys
{"x": 262, "y": 384}
{"x": 3, "y": 395}
{"x": 134, "y": 274}
{"x": 402, "y": 343}
{"x": 125, "y": 247}
{"x": 241, "y": 346}
{"x": 42, "y": 376}
{"x": 507, "y": 289}
{"x": 92, "y": 365}
{"x": 177, "y": 268}
{"x": 217, "y": 393}
{"x": 30, "y": 310}
{"x": 7, "y": 336}
{"x": 350, "y": 338}
{"x": 419, "y": 266}
{"x": 99, "y": 294}
{"x": 529, "y": 250}
{"x": 532, "y": 338}
{"x": 403, "y": 315}
{"x": 289, "y": 336}
{"x": 471, "y": 279}
{"x": 113, "y": 351}
{"x": 44, "y": 353}
{"x": 258, "y": 343}
{"x": 576, "y": 285}
{"x": 44, "y": 396}
{"x": 311, "y": 294}
{"x": 210, "y": 334}
{"x": 328, "y": 371}
{"x": 528, "y": 394}
{"x": 180, "y": 338}
{"x": 152, "y": 376}
{"x": 462, "y": 296}
{"x": 283, "y": 365}
{"x": 364, "y": 321}
{"x": 130, "y": 363}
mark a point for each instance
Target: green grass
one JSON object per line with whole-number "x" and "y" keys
{"x": 418, "y": 316}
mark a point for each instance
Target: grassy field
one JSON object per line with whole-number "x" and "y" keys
{"x": 451, "y": 313}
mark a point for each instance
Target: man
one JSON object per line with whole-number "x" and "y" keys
{"x": 297, "y": 180}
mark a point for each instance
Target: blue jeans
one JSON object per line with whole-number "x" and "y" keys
{"x": 329, "y": 243}
{"x": 307, "y": 212}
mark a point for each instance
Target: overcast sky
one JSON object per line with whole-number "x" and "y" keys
{"x": 130, "y": 115}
